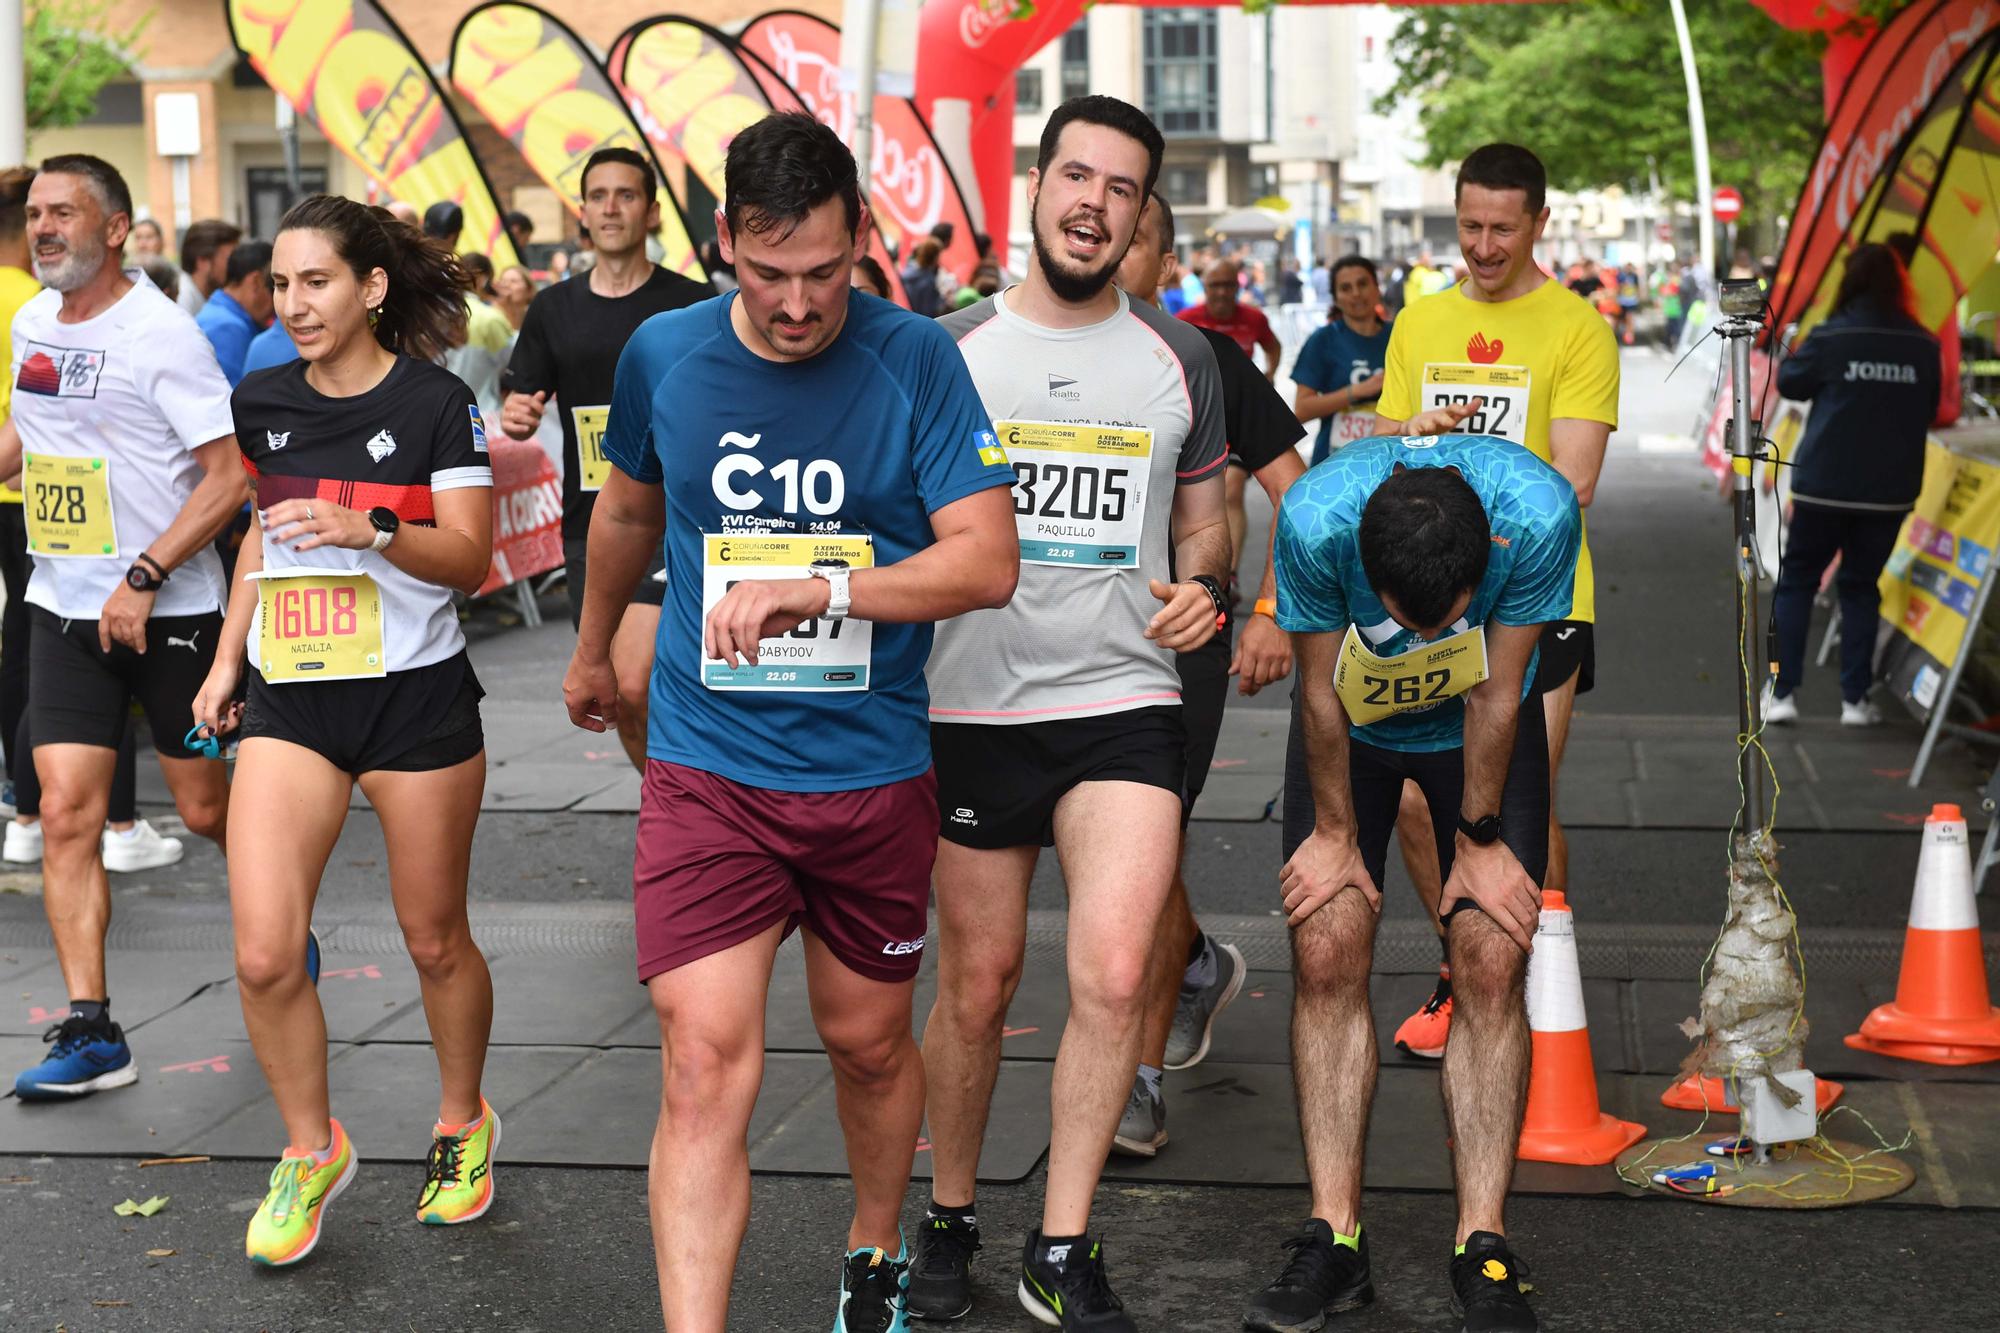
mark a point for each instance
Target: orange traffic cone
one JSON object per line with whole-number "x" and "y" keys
{"x": 1943, "y": 1013}
{"x": 1564, "y": 1123}
{"x": 1706, "y": 1092}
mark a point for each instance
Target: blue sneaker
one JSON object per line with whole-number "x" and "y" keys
{"x": 84, "y": 1059}
{"x": 312, "y": 955}
{"x": 873, "y": 1291}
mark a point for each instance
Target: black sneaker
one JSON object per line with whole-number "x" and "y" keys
{"x": 1486, "y": 1287}
{"x": 1069, "y": 1291}
{"x": 1323, "y": 1277}
{"x": 871, "y": 1293}
{"x": 941, "y": 1272}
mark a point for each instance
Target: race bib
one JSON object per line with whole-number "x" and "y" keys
{"x": 1372, "y": 688}
{"x": 1351, "y": 425}
{"x": 1079, "y": 491}
{"x": 317, "y": 625}
{"x": 67, "y": 502}
{"x": 593, "y": 468}
{"x": 819, "y": 654}
{"x": 1504, "y": 389}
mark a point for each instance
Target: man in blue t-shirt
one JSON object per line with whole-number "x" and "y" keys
{"x": 1414, "y": 576}
{"x": 1339, "y": 370}
{"x": 239, "y": 308}
{"x": 828, "y": 486}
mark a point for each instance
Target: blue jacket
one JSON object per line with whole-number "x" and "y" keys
{"x": 229, "y": 329}
{"x": 1873, "y": 380}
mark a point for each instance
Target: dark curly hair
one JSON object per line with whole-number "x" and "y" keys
{"x": 424, "y": 311}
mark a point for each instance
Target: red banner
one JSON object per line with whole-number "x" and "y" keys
{"x": 527, "y": 513}
{"x": 910, "y": 187}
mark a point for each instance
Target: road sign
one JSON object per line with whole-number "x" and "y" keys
{"x": 1728, "y": 204}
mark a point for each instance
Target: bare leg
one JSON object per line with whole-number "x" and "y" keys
{"x": 1169, "y": 964}
{"x": 711, "y": 1014}
{"x": 982, "y": 932}
{"x": 1117, "y": 841}
{"x": 878, "y": 1084}
{"x": 632, "y": 649}
{"x": 1485, "y": 1067}
{"x": 427, "y": 822}
{"x": 201, "y": 795}
{"x": 1557, "y": 706}
{"x": 76, "y": 785}
{"x": 1333, "y": 1051}
{"x": 1418, "y": 840}
{"x": 290, "y": 805}
{"x": 1233, "y": 486}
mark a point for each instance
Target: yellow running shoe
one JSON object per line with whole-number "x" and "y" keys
{"x": 458, "y": 1174}
{"x": 286, "y": 1225}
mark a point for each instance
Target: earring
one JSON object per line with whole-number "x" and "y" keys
{"x": 374, "y": 315}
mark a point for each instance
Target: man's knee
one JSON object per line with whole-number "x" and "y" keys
{"x": 1488, "y": 970}
{"x": 871, "y": 1055}
{"x": 977, "y": 985}
{"x": 1333, "y": 949}
{"x": 206, "y": 816}
{"x": 1112, "y": 982}
{"x": 70, "y": 814}
{"x": 708, "y": 1082}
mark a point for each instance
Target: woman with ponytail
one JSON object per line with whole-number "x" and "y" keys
{"x": 373, "y": 496}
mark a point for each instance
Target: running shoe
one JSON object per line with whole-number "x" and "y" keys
{"x": 83, "y": 1058}
{"x": 940, "y": 1282}
{"x": 1423, "y": 1033}
{"x": 1322, "y": 1278}
{"x": 872, "y": 1288}
{"x": 286, "y": 1225}
{"x": 1487, "y": 1287}
{"x": 458, "y": 1173}
{"x": 1142, "y": 1130}
{"x": 23, "y": 845}
{"x": 139, "y": 848}
{"x": 1779, "y": 712}
{"x": 1069, "y": 1291}
{"x": 1863, "y": 714}
{"x": 1194, "y": 1015}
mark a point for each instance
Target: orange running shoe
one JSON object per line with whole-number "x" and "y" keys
{"x": 1423, "y": 1033}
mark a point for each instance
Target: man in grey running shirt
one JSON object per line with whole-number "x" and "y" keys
{"x": 1057, "y": 721}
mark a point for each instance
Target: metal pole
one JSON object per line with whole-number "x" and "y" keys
{"x": 1704, "y": 187}
{"x": 13, "y": 87}
{"x": 288, "y": 135}
{"x": 1751, "y": 647}
{"x": 864, "y": 27}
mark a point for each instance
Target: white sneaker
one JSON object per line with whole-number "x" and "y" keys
{"x": 1779, "y": 712}
{"x": 24, "y": 843}
{"x": 139, "y": 848}
{"x": 1863, "y": 714}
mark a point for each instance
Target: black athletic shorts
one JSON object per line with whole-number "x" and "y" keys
{"x": 998, "y": 785}
{"x": 78, "y": 694}
{"x": 1204, "y": 694}
{"x": 411, "y": 721}
{"x": 1569, "y": 648}
{"x": 652, "y": 589}
{"x": 1377, "y": 776}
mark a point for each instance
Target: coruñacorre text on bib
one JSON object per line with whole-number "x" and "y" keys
{"x": 318, "y": 625}
{"x": 67, "y": 501}
{"x": 818, "y": 655}
{"x": 1079, "y": 491}
{"x": 1372, "y": 688}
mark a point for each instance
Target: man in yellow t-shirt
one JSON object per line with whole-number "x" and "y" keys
{"x": 17, "y": 285}
{"x": 1513, "y": 353}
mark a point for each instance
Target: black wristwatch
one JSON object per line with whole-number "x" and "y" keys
{"x": 1214, "y": 591}
{"x": 141, "y": 579}
{"x": 1485, "y": 831}
{"x": 386, "y": 522}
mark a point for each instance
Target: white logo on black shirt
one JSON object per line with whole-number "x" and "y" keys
{"x": 277, "y": 439}
{"x": 381, "y": 446}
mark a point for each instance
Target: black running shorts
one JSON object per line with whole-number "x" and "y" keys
{"x": 78, "y": 694}
{"x": 998, "y": 785}
{"x": 652, "y": 589}
{"x": 1204, "y": 695}
{"x": 1569, "y": 648}
{"x": 1376, "y": 777}
{"x": 411, "y": 721}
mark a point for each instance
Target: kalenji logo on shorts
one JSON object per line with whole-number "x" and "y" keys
{"x": 964, "y": 816}
{"x": 899, "y": 947}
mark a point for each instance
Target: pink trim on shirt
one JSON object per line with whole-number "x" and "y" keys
{"x": 1203, "y": 471}
{"x": 1066, "y": 708}
{"x": 1186, "y": 396}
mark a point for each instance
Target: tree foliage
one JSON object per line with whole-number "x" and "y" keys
{"x": 1595, "y": 87}
{"x": 71, "y": 56}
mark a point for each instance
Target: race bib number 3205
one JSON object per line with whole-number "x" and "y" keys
{"x": 67, "y": 504}
{"x": 819, "y": 654}
{"x": 1079, "y": 491}
{"x": 1502, "y": 390}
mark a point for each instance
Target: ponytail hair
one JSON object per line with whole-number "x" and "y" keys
{"x": 423, "y": 313}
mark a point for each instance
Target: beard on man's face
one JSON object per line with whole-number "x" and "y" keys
{"x": 1067, "y": 279}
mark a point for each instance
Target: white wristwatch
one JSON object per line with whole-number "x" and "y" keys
{"x": 835, "y": 572}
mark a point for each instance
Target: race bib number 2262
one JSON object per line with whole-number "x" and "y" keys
{"x": 1502, "y": 392}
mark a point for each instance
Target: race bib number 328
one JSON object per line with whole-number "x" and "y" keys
{"x": 1079, "y": 491}
{"x": 67, "y": 504}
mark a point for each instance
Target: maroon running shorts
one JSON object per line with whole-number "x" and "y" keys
{"x": 719, "y": 862}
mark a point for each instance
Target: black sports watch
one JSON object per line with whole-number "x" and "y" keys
{"x": 1485, "y": 831}
{"x": 1214, "y": 591}
{"x": 141, "y": 579}
{"x": 386, "y": 522}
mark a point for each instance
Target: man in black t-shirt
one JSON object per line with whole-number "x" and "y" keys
{"x": 1192, "y": 978}
{"x": 569, "y": 347}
